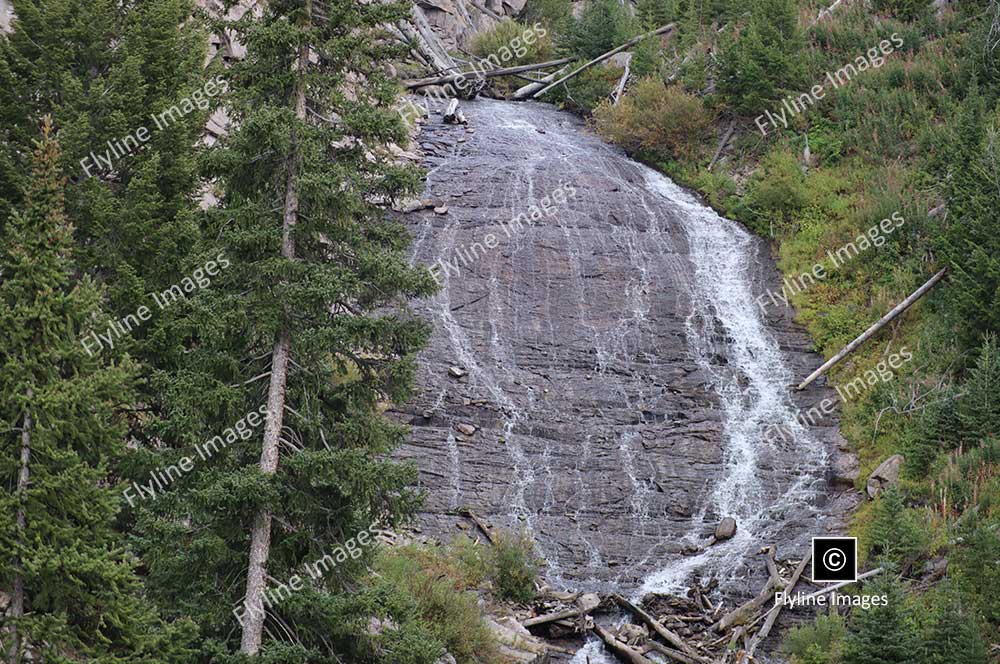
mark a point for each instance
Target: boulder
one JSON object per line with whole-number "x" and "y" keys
{"x": 885, "y": 476}
{"x": 843, "y": 469}
{"x": 456, "y": 372}
{"x": 465, "y": 429}
{"x": 726, "y": 529}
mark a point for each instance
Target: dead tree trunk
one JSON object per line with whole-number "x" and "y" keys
{"x": 17, "y": 590}
{"x": 507, "y": 71}
{"x": 878, "y": 325}
{"x": 622, "y": 650}
{"x": 601, "y": 58}
{"x": 260, "y": 536}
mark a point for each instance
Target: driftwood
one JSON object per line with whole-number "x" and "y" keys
{"x": 772, "y": 615}
{"x": 453, "y": 114}
{"x": 507, "y": 71}
{"x": 526, "y": 91}
{"x": 878, "y": 325}
{"x": 745, "y": 613}
{"x": 684, "y": 630}
{"x": 722, "y": 144}
{"x": 622, "y": 650}
{"x": 664, "y": 633}
{"x": 480, "y": 524}
{"x": 620, "y": 88}
{"x": 601, "y": 58}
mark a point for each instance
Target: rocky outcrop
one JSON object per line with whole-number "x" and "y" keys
{"x": 885, "y": 476}
{"x": 619, "y": 411}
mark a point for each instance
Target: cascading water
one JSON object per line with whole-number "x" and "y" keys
{"x": 612, "y": 358}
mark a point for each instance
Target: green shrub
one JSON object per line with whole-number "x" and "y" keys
{"x": 895, "y": 532}
{"x": 908, "y": 10}
{"x": 507, "y": 39}
{"x": 819, "y": 642}
{"x": 663, "y": 121}
{"x": 777, "y": 195}
{"x": 434, "y": 585}
{"x": 514, "y": 567}
{"x": 586, "y": 91}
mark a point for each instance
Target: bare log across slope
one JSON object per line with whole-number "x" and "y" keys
{"x": 666, "y": 29}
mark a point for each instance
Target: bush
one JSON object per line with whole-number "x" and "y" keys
{"x": 507, "y": 37}
{"x": 513, "y": 567}
{"x": 663, "y": 121}
{"x": 777, "y": 194}
{"x": 434, "y": 583}
{"x": 895, "y": 532}
{"x": 819, "y": 642}
{"x": 584, "y": 92}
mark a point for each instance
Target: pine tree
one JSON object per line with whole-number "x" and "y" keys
{"x": 765, "y": 59}
{"x": 883, "y": 634}
{"x": 893, "y": 534}
{"x": 300, "y": 327}
{"x": 102, "y": 70}
{"x": 979, "y": 407}
{"x": 73, "y": 584}
{"x": 952, "y": 634}
{"x": 969, "y": 239}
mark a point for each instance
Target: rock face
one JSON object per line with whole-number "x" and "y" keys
{"x": 885, "y": 476}
{"x": 626, "y": 390}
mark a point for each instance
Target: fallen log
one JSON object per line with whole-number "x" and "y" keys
{"x": 620, "y": 88}
{"x": 772, "y": 615}
{"x": 507, "y": 71}
{"x": 624, "y": 652}
{"x": 480, "y": 524}
{"x": 743, "y": 614}
{"x": 722, "y": 144}
{"x": 453, "y": 114}
{"x": 876, "y": 326}
{"x": 670, "y": 637}
{"x": 526, "y": 91}
{"x": 675, "y": 655}
{"x": 601, "y": 58}
{"x": 585, "y": 603}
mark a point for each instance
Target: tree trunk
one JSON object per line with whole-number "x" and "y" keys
{"x": 17, "y": 591}
{"x": 260, "y": 537}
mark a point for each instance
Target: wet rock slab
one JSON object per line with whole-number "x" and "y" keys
{"x": 578, "y": 383}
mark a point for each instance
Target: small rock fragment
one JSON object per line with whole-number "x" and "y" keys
{"x": 457, "y": 372}
{"x": 465, "y": 429}
{"x": 726, "y": 529}
{"x": 441, "y": 209}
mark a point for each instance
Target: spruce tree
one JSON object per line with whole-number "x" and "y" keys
{"x": 74, "y": 589}
{"x": 952, "y": 634}
{"x": 300, "y": 327}
{"x": 883, "y": 634}
{"x": 103, "y": 70}
{"x": 764, "y": 61}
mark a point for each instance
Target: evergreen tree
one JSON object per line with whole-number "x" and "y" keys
{"x": 602, "y": 25}
{"x": 969, "y": 240}
{"x": 883, "y": 634}
{"x": 104, "y": 71}
{"x": 979, "y": 406}
{"x": 893, "y": 533}
{"x": 300, "y": 327}
{"x": 765, "y": 59}
{"x": 952, "y": 634}
{"x": 74, "y": 589}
